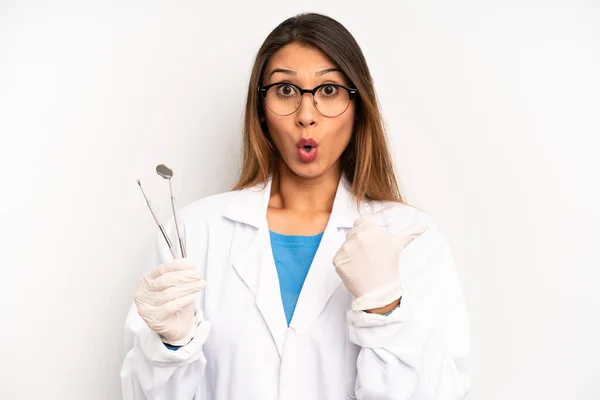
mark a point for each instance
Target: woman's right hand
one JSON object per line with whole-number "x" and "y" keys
{"x": 165, "y": 300}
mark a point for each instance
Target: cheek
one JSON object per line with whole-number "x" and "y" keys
{"x": 342, "y": 133}
{"x": 275, "y": 126}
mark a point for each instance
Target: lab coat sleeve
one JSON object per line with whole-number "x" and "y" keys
{"x": 150, "y": 370}
{"x": 421, "y": 350}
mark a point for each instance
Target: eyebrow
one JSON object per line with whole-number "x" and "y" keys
{"x": 293, "y": 73}
{"x": 326, "y": 71}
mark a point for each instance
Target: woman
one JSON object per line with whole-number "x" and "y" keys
{"x": 320, "y": 282}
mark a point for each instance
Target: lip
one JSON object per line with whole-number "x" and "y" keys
{"x": 307, "y": 156}
{"x": 307, "y": 142}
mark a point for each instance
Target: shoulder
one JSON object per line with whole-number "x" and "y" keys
{"x": 206, "y": 209}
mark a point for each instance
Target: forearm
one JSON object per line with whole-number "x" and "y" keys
{"x": 386, "y": 309}
{"x": 402, "y": 358}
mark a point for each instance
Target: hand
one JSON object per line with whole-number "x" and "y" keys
{"x": 367, "y": 262}
{"x": 165, "y": 300}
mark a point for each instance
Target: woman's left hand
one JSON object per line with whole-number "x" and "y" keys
{"x": 367, "y": 262}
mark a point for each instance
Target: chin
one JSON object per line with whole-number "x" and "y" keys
{"x": 308, "y": 175}
{"x": 308, "y": 171}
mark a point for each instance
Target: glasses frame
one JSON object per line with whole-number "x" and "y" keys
{"x": 352, "y": 93}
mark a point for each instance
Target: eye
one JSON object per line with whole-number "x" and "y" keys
{"x": 329, "y": 90}
{"x": 286, "y": 90}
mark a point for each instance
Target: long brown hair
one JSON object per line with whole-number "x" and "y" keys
{"x": 366, "y": 162}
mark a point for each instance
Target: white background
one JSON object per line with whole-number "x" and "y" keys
{"x": 493, "y": 112}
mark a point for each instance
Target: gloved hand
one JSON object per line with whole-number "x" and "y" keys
{"x": 367, "y": 262}
{"x": 165, "y": 300}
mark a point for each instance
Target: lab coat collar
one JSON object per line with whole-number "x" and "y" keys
{"x": 250, "y": 205}
{"x": 256, "y": 266}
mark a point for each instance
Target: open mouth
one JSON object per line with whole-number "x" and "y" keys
{"x": 307, "y": 149}
{"x": 307, "y": 143}
{"x": 307, "y": 153}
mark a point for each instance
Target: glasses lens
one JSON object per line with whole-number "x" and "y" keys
{"x": 283, "y": 99}
{"x": 330, "y": 100}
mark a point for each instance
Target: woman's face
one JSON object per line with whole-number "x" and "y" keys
{"x": 307, "y": 67}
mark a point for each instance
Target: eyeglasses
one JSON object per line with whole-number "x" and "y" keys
{"x": 285, "y": 98}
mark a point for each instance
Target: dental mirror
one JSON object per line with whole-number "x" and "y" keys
{"x": 164, "y": 171}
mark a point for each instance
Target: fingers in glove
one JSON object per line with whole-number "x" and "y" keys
{"x": 175, "y": 265}
{"x": 367, "y": 233}
{"x": 374, "y": 218}
{"x": 341, "y": 257}
{"x": 406, "y": 236}
{"x": 172, "y": 293}
{"x": 179, "y": 303}
{"x": 174, "y": 279}
{"x": 367, "y": 220}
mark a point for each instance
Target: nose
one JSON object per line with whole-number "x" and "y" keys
{"x": 306, "y": 114}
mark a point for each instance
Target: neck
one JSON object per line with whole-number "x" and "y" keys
{"x": 295, "y": 193}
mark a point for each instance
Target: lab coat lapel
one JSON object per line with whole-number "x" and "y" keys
{"x": 322, "y": 281}
{"x": 254, "y": 261}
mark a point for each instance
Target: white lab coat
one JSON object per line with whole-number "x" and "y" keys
{"x": 243, "y": 347}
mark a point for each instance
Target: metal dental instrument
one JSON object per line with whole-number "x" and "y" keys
{"x": 162, "y": 229}
{"x": 166, "y": 173}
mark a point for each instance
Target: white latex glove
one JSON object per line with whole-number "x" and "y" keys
{"x": 165, "y": 300}
{"x": 367, "y": 262}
